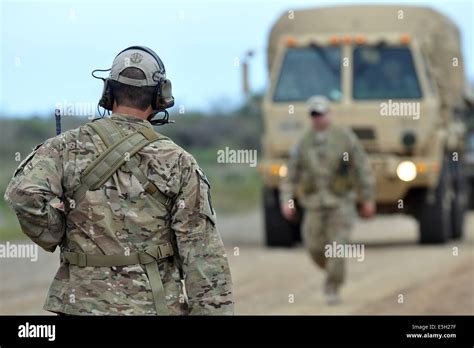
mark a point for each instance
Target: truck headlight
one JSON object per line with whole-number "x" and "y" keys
{"x": 283, "y": 171}
{"x": 406, "y": 171}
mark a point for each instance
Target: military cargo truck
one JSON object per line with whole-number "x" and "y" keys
{"x": 395, "y": 76}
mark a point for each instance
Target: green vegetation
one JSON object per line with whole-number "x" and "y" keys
{"x": 235, "y": 187}
{"x": 9, "y": 226}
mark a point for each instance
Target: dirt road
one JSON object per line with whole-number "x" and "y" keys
{"x": 397, "y": 276}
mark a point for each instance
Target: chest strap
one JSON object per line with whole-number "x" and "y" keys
{"x": 148, "y": 258}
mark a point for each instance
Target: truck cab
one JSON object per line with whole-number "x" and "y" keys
{"x": 383, "y": 85}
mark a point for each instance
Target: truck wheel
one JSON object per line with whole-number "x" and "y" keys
{"x": 279, "y": 232}
{"x": 459, "y": 202}
{"x": 471, "y": 194}
{"x": 435, "y": 214}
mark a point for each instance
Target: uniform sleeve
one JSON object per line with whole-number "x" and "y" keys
{"x": 290, "y": 181}
{"x": 34, "y": 193}
{"x": 363, "y": 172}
{"x": 206, "y": 270}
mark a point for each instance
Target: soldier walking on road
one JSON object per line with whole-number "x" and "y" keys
{"x": 325, "y": 167}
{"x": 130, "y": 210}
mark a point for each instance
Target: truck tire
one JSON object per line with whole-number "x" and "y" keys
{"x": 471, "y": 194}
{"x": 435, "y": 211}
{"x": 279, "y": 232}
{"x": 460, "y": 200}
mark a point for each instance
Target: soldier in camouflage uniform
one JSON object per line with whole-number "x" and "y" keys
{"x": 124, "y": 252}
{"x": 326, "y": 165}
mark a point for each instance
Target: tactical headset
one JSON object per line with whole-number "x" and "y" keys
{"x": 162, "y": 95}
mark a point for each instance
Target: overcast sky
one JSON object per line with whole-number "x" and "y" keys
{"x": 49, "y": 48}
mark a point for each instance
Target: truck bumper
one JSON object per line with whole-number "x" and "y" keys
{"x": 389, "y": 187}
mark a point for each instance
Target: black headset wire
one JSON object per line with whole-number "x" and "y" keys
{"x": 105, "y": 112}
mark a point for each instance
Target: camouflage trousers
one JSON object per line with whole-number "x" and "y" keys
{"x": 322, "y": 227}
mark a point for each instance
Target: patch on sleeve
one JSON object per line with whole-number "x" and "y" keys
{"x": 205, "y": 192}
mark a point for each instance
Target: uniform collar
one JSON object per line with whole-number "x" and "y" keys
{"x": 130, "y": 119}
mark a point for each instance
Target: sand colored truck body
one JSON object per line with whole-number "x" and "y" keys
{"x": 395, "y": 76}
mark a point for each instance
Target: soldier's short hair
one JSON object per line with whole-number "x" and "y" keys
{"x": 132, "y": 96}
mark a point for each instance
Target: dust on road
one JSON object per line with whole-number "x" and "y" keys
{"x": 397, "y": 276}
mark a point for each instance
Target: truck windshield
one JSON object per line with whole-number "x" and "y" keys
{"x": 384, "y": 73}
{"x": 309, "y": 71}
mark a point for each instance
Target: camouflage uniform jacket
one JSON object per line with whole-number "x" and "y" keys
{"x": 326, "y": 169}
{"x": 120, "y": 217}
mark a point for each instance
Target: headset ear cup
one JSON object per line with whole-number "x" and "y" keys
{"x": 106, "y": 100}
{"x": 155, "y": 101}
{"x": 167, "y": 99}
{"x": 162, "y": 96}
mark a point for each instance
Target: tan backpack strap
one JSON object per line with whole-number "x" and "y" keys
{"x": 133, "y": 163}
{"x": 133, "y": 166}
{"x": 118, "y": 146}
{"x": 108, "y": 132}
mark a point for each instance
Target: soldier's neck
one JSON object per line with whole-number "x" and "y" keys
{"x": 321, "y": 129}
{"x": 125, "y": 110}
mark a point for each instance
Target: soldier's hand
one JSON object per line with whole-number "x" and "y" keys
{"x": 288, "y": 212}
{"x": 367, "y": 209}
{"x": 57, "y": 204}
